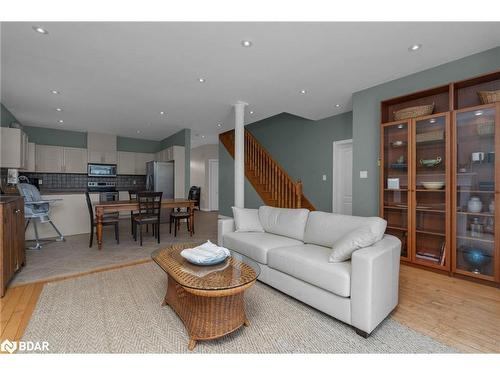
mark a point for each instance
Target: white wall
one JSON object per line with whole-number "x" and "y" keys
{"x": 199, "y": 169}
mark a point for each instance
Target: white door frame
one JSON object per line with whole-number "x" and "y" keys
{"x": 335, "y": 170}
{"x": 209, "y": 187}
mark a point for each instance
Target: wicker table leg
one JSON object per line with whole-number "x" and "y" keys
{"x": 209, "y": 314}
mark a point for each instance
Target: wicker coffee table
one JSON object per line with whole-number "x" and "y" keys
{"x": 208, "y": 299}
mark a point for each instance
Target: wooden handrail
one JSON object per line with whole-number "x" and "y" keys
{"x": 270, "y": 180}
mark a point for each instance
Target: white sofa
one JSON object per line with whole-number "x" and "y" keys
{"x": 293, "y": 253}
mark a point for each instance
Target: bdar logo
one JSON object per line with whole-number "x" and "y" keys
{"x": 8, "y": 346}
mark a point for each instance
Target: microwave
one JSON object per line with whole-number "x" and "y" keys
{"x": 101, "y": 170}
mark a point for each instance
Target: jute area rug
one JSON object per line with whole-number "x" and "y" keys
{"x": 119, "y": 311}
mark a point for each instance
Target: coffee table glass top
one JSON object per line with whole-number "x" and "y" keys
{"x": 237, "y": 270}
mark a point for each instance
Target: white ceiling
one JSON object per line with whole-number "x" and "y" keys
{"x": 117, "y": 77}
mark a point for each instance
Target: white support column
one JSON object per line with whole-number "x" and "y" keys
{"x": 239, "y": 154}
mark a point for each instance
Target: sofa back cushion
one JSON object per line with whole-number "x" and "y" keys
{"x": 286, "y": 222}
{"x": 247, "y": 220}
{"x": 324, "y": 228}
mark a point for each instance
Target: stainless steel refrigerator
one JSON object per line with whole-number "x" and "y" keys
{"x": 160, "y": 177}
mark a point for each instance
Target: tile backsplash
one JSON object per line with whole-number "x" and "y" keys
{"x": 73, "y": 181}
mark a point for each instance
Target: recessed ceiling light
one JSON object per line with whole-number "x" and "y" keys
{"x": 478, "y": 113}
{"x": 414, "y": 47}
{"x": 219, "y": 125}
{"x": 246, "y": 43}
{"x": 138, "y": 132}
{"x": 55, "y": 92}
{"x": 251, "y": 112}
{"x": 201, "y": 80}
{"x": 337, "y": 105}
{"x": 61, "y": 121}
{"x": 162, "y": 112}
{"x": 303, "y": 91}
{"x": 40, "y": 30}
{"x": 432, "y": 120}
{"x": 202, "y": 136}
{"x": 59, "y": 109}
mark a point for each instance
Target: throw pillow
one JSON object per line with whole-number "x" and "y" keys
{"x": 247, "y": 220}
{"x": 352, "y": 241}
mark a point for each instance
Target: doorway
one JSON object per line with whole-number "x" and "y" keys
{"x": 213, "y": 184}
{"x": 342, "y": 177}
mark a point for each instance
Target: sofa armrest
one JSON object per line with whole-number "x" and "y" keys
{"x": 374, "y": 282}
{"x": 224, "y": 225}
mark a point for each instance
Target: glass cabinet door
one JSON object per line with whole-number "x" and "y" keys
{"x": 395, "y": 157}
{"x": 475, "y": 238}
{"x": 431, "y": 180}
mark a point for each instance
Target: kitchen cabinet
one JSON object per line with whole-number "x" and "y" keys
{"x": 102, "y": 157}
{"x": 57, "y": 159}
{"x": 126, "y": 162}
{"x": 140, "y": 162}
{"x": 14, "y": 148}
{"x": 49, "y": 159}
{"x": 12, "y": 253}
{"x": 30, "y": 167}
{"x": 75, "y": 160}
{"x": 133, "y": 163}
{"x": 101, "y": 148}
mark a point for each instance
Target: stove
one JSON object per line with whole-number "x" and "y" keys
{"x": 94, "y": 186}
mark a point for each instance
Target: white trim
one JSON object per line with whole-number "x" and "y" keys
{"x": 334, "y": 168}
{"x": 209, "y": 187}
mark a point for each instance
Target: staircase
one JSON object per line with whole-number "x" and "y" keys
{"x": 274, "y": 186}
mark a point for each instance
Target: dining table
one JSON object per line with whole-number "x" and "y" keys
{"x": 102, "y": 208}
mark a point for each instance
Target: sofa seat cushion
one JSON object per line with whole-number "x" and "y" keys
{"x": 310, "y": 263}
{"x": 256, "y": 245}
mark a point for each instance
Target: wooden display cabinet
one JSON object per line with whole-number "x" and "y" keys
{"x": 440, "y": 180}
{"x": 395, "y": 185}
{"x": 476, "y": 202}
{"x": 415, "y": 188}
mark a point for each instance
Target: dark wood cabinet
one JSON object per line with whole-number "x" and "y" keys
{"x": 440, "y": 179}
{"x": 12, "y": 251}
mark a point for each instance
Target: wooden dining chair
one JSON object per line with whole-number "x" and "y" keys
{"x": 149, "y": 213}
{"x": 176, "y": 216}
{"x": 107, "y": 221}
{"x": 132, "y": 196}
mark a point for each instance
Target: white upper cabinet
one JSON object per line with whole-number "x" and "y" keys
{"x": 14, "y": 148}
{"x": 133, "y": 163}
{"x": 57, "y": 159}
{"x": 140, "y": 162}
{"x": 101, "y": 148}
{"x": 31, "y": 157}
{"x": 75, "y": 160}
{"x": 102, "y": 157}
{"x": 49, "y": 159}
{"x": 126, "y": 162}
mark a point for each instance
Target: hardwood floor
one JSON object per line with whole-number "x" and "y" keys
{"x": 456, "y": 312}
{"x": 460, "y": 313}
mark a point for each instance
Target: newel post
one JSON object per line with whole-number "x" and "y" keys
{"x": 298, "y": 192}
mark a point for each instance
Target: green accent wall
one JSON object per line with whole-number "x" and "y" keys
{"x": 6, "y": 117}
{"x": 136, "y": 145}
{"x": 304, "y": 148}
{"x": 366, "y": 118}
{"x": 56, "y": 137}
